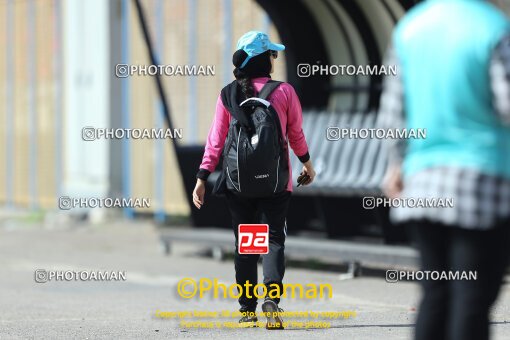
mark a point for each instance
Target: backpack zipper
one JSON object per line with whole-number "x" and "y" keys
{"x": 231, "y": 181}
{"x": 237, "y": 157}
{"x": 277, "y": 166}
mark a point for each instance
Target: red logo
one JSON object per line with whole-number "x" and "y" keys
{"x": 253, "y": 238}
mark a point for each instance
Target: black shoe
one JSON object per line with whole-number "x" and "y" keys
{"x": 272, "y": 312}
{"x": 248, "y": 321}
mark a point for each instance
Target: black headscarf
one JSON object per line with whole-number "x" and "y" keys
{"x": 258, "y": 66}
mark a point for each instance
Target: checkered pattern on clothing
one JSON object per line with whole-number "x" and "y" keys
{"x": 391, "y": 110}
{"x": 500, "y": 79}
{"x": 479, "y": 201}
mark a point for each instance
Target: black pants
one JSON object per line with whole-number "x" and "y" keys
{"x": 459, "y": 309}
{"x": 273, "y": 211}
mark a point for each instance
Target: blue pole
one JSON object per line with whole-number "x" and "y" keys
{"x": 266, "y": 23}
{"x": 159, "y": 182}
{"x": 57, "y": 62}
{"x": 32, "y": 105}
{"x": 125, "y": 108}
{"x": 227, "y": 33}
{"x": 192, "y": 60}
{"x": 9, "y": 105}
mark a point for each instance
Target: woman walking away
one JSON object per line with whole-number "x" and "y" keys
{"x": 256, "y": 119}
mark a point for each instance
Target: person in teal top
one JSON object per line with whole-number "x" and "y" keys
{"x": 453, "y": 61}
{"x": 448, "y": 86}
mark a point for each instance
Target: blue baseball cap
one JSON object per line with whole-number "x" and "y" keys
{"x": 255, "y": 43}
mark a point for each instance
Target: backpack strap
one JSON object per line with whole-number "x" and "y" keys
{"x": 268, "y": 88}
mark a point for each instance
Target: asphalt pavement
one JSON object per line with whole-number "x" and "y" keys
{"x": 141, "y": 306}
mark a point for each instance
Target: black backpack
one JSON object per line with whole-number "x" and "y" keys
{"x": 255, "y": 158}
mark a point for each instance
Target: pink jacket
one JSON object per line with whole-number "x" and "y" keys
{"x": 286, "y": 103}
